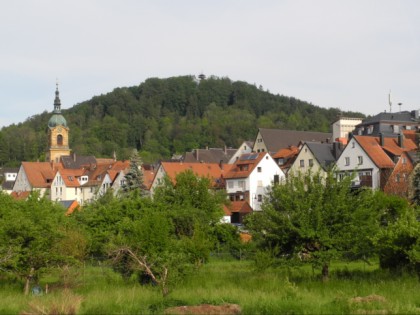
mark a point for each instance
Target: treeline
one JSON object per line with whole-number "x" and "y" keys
{"x": 161, "y": 117}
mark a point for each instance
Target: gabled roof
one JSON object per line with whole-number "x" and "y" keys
{"x": 211, "y": 155}
{"x": 372, "y": 147}
{"x": 211, "y": 170}
{"x": 237, "y": 206}
{"x": 244, "y": 166}
{"x": 39, "y": 174}
{"x": 322, "y": 152}
{"x": 276, "y": 139}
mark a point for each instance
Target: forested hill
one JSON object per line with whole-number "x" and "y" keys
{"x": 165, "y": 116}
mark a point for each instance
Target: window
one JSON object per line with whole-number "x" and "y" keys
{"x": 347, "y": 161}
{"x": 75, "y": 190}
{"x": 230, "y": 184}
{"x": 311, "y": 162}
{"x": 360, "y": 160}
{"x": 397, "y": 178}
{"x": 59, "y": 140}
{"x": 302, "y": 163}
{"x": 259, "y": 198}
{"x": 259, "y": 169}
{"x": 241, "y": 184}
{"x": 281, "y": 161}
{"x": 353, "y": 144}
{"x": 404, "y": 160}
{"x": 259, "y": 183}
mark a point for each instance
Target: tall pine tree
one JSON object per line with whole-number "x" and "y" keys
{"x": 134, "y": 176}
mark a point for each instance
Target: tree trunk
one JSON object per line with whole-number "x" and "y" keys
{"x": 325, "y": 272}
{"x": 28, "y": 280}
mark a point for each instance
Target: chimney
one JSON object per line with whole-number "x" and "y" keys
{"x": 381, "y": 139}
{"x": 401, "y": 140}
{"x": 196, "y": 154}
{"x": 221, "y": 164}
{"x": 74, "y": 156}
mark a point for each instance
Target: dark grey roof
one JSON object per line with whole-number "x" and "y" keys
{"x": 388, "y": 117}
{"x": 323, "y": 152}
{"x": 276, "y": 139}
{"x": 212, "y": 155}
{"x": 76, "y": 162}
{"x": 8, "y": 185}
{"x": 9, "y": 170}
{"x": 66, "y": 203}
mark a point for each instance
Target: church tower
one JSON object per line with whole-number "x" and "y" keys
{"x": 58, "y": 133}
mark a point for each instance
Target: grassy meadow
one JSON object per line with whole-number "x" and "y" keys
{"x": 354, "y": 288}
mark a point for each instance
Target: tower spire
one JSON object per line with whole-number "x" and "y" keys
{"x": 57, "y": 102}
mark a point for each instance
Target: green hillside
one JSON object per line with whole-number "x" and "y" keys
{"x": 165, "y": 116}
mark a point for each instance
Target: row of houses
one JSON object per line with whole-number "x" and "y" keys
{"x": 380, "y": 151}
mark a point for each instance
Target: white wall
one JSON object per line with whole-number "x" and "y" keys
{"x": 353, "y": 150}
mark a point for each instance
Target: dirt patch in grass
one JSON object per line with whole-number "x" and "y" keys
{"x": 368, "y": 299}
{"x": 205, "y": 309}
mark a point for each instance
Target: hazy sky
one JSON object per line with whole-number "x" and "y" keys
{"x": 344, "y": 54}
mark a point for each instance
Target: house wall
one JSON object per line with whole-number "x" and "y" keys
{"x": 352, "y": 151}
{"x": 343, "y": 126}
{"x": 260, "y": 182}
{"x": 399, "y": 180}
{"x": 243, "y": 149}
{"x": 22, "y": 182}
{"x": 259, "y": 145}
{"x": 306, "y": 155}
{"x": 160, "y": 174}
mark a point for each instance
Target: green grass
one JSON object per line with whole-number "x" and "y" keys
{"x": 273, "y": 291}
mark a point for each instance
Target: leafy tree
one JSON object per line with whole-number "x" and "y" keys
{"x": 32, "y": 232}
{"x": 315, "y": 217}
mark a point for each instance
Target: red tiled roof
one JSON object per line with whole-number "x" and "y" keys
{"x": 211, "y": 170}
{"x": 286, "y": 152}
{"x": 69, "y": 176}
{"x": 244, "y": 166}
{"x": 240, "y": 206}
{"x": 371, "y": 145}
{"x": 39, "y": 174}
{"x": 148, "y": 177}
{"x": 73, "y": 206}
{"x": 20, "y": 195}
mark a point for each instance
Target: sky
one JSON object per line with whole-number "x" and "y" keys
{"x": 347, "y": 54}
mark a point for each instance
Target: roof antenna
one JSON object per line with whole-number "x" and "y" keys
{"x": 389, "y": 101}
{"x": 399, "y": 104}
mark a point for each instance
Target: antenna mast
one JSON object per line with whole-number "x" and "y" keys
{"x": 389, "y": 101}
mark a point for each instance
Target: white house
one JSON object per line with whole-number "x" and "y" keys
{"x": 372, "y": 159}
{"x": 250, "y": 177}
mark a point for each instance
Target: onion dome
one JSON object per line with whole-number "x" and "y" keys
{"x": 57, "y": 119}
